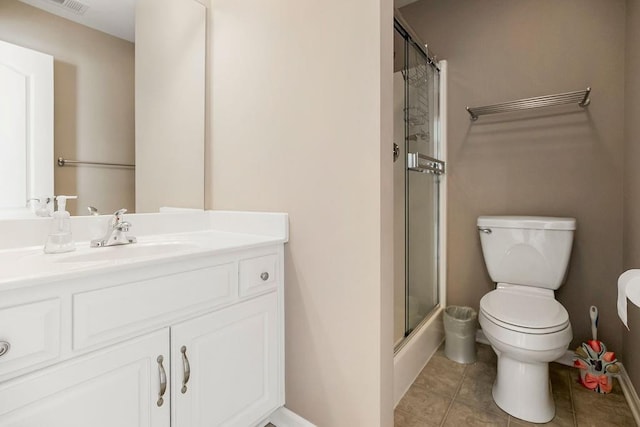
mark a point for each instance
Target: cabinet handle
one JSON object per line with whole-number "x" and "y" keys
{"x": 186, "y": 367}
{"x": 264, "y": 276}
{"x": 4, "y": 347}
{"x": 163, "y": 380}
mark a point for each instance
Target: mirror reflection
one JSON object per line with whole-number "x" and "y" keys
{"x": 93, "y": 102}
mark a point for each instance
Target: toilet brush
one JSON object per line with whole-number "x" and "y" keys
{"x": 593, "y": 314}
{"x": 596, "y": 364}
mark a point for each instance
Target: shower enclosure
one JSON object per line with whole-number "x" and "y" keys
{"x": 418, "y": 175}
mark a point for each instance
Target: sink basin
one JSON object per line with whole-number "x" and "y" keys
{"x": 136, "y": 250}
{"x": 167, "y": 240}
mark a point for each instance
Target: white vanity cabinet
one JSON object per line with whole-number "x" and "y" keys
{"x": 225, "y": 366}
{"x": 117, "y": 386}
{"x": 206, "y": 335}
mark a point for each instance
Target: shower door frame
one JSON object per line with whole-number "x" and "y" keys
{"x": 441, "y": 154}
{"x": 415, "y": 350}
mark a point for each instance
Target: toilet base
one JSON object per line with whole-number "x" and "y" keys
{"x": 522, "y": 389}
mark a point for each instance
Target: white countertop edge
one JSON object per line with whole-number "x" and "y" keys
{"x": 24, "y": 264}
{"x": 272, "y": 224}
{"x": 97, "y": 268}
{"x": 21, "y": 233}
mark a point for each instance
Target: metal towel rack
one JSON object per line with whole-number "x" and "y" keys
{"x": 581, "y": 97}
{"x": 421, "y": 163}
{"x": 64, "y": 162}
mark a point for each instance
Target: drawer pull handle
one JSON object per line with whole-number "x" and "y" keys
{"x": 163, "y": 380}
{"x": 187, "y": 369}
{"x": 4, "y": 347}
{"x": 264, "y": 276}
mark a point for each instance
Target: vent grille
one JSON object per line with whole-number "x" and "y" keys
{"x": 72, "y": 5}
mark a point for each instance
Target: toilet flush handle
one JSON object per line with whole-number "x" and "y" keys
{"x": 484, "y": 230}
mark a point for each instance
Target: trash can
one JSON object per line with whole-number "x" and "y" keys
{"x": 460, "y": 333}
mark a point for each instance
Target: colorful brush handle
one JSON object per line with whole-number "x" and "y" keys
{"x": 593, "y": 314}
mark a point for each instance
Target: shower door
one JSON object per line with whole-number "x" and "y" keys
{"x": 417, "y": 183}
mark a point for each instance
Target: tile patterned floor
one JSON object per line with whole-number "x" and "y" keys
{"x": 450, "y": 394}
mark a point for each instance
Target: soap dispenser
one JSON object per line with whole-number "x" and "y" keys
{"x": 60, "y": 239}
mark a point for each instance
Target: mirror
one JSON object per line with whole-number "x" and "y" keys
{"x": 93, "y": 98}
{"x": 94, "y": 55}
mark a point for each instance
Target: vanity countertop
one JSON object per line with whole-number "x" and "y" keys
{"x": 162, "y": 237}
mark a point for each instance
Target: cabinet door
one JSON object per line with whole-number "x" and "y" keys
{"x": 118, "y": 386}
{"x": 232, "y": 357}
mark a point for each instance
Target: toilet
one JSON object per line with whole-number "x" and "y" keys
{"x": 527, "y": 258}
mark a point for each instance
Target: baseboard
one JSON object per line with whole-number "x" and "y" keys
{"x": 566, "y": 358}
{"x": 481, "y": 338}
{"x": 626, "y": 385}
{"x": 629, "y": 393}
{"x": 283, "y": 417}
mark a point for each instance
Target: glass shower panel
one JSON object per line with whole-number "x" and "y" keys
{"x": 416, "y": 190}
{"x": 422, "y": 197}
{"x": 422, "y": 99}
{"x": 422, "y": 250}
{"x": 399, "y": 190}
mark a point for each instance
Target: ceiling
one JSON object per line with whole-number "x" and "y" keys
{"x": 115, "y": 17}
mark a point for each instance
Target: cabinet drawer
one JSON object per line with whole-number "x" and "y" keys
{"x": 32, "y": 332}
{"x": 258, "y": 274}
{"x": 124, "y": 310}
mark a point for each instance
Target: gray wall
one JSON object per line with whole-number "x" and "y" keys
{"x": 631, "y": 340}
{"x": 563, "y": 161}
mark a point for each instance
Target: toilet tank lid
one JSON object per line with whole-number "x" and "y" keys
{"x": 531, "y": 222}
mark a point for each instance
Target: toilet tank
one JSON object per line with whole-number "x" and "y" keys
{"x": 527, "y": 250}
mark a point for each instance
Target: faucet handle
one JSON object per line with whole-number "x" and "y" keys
{"x": 117, "y": 215}
{"x": 116, "y": 227}
{"x": 116, "y": 219}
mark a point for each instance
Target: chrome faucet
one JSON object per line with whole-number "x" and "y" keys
{"x": 117, "y": 228}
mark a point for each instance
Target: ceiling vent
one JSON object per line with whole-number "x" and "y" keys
{"x": 72, "y": 6}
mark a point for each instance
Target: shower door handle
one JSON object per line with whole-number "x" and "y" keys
{"x": 421, "y": 163}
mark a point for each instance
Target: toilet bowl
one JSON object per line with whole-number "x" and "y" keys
{"x": 527, "y": 330}
{"x": 526, "y": 327}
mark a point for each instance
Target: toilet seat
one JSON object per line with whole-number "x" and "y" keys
{"x": 526, "y": 313}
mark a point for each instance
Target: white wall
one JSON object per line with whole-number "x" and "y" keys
{"x": 301, "y": 121}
